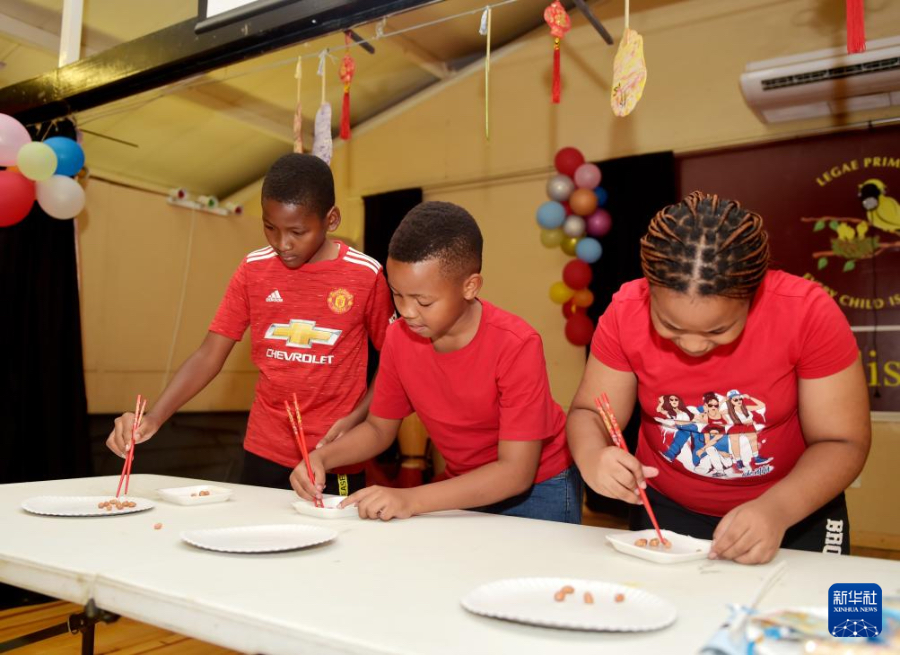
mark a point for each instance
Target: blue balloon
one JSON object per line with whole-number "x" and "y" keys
{"x": 551, "y": 215}
{"x": 589, "y": 250}
{"x": 602, "y": 196}
{"x": 69, "y": 155}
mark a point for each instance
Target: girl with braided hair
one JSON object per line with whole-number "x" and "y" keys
{"x": 710, "y": 314}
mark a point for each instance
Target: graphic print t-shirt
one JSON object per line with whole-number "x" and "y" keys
{"x": 309, "y": 329}
{"x": 723, "y": 428}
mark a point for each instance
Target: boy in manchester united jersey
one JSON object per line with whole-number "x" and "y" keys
{"x": 312, "y": 303}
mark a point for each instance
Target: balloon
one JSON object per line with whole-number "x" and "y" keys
{"x": 551, "y": 215}
{"x": 560, "y": 293}
{"x": 583, "y": 297}
{"x": 579, "y": 330}
{"x": 69, "y": 155}
{"x": 568, "y": 160}
{"x": 569, "y": 244}
{"x": 583, "y": 202}
{"x": 13, "y": 136}
{"x": 568, "y": 208}
{"x": 16, "y": 197}
{"x": 574, "y": 226}
{"x": 560, "y": 187}
{"x": 577, "y": 274}
{"x": 61, "y": 197}
{"x": 37, "y": 161}
{"x": 588, "y": 249}
{"x": 552, "y": 238}
{"x": 569, "y": 309}
{"x": 599, "y": 223}
{"x": 587, "y": 176}
{"x": 602, "y": 196}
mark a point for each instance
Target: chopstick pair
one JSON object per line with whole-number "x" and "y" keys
{"x": 612, "y": 426}
{"x": 125, "y": 476}
{"x": 300, "y": 436}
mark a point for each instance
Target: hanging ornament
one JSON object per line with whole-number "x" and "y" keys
{"x": 629, "y": 71}
{"x": 348, "y": 68}
{"x": 485, "y": 30}
{"x": 557, "y": 18}
{"x": 322, "y": 145}
{"x": 856, "y": 27}
{"x": 298, "y": 116}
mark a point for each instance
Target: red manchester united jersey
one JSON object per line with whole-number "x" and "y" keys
{"x": 309, "y": 329}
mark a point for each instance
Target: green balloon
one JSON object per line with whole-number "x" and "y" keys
{"x": 552, "y": 238}
{"x": 36, "y": 161}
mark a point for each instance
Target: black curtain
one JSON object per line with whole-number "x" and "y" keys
{"x": 43, "y": 405}
{"x": 638, "y": 187}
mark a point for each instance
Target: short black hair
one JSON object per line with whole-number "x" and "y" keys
{"x": 442, "y": 231}
{"x": 300, "y": 180}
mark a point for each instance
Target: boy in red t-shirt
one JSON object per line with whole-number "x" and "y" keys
{"x": 476, "y": 377}
{"x": 312, "y": 304}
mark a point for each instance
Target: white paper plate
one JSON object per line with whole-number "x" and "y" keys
{"x": 259, "y": 538}
{"x": 191, "y": 495}
{"x": 531, "y": 600}
{"x": 81, "y": 505}
{"x": 684, "y": 548}
{"x": 330, "y": 511}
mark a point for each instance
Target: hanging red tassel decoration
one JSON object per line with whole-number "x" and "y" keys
{"x": 856, "y": 27}
{"x": 348, "y": 68}
{"x": 558, "y": 20}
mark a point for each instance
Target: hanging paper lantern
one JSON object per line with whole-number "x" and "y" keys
{"x": 348, "y": 68}
{"x": 560, "y": 293}
{"x": 13, "y": 136}
{"x": 558, "y": 19}
{"x": 599, "y": 223}
{"x": 568, "y": 160}
{"x": 552, "y": 238}
{"x": 579, "y": 330}
{"x": 16, "y": 197}
{"x": 577, "y": 274}
{"x": 629, "y": 73}
{"x": 69, "y": 155}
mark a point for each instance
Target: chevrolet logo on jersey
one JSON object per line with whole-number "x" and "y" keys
{"x": 302, "y": 334}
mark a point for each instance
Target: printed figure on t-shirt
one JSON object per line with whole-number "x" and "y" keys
{"x": 744, "y": 410}
{"x": 713, "y": 452}
{"x": 678, "y": 421}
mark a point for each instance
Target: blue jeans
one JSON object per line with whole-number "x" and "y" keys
{"x": 556, "y": 499}
{"x": 687, "y": 433}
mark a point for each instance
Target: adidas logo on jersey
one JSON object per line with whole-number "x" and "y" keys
{"x": 274, "y": 297}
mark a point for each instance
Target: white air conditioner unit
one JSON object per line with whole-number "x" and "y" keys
{"x": 824, "y": 82}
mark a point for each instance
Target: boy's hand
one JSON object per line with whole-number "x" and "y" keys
{"x": 300, "y": 478}
{"x": 337, "y": 430}
{"x": 749, "y": 534}
{"x": 381, "y": 503}
{"x": 618, "y": 474}
{"x": 119, "y": 439}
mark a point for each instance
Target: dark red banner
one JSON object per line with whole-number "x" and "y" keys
{"x": 831, "y": 206}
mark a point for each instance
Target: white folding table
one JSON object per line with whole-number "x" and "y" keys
{"x": 379, "y": 587}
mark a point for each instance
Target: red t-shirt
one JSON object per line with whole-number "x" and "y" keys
{"x": 495, "y": 388}
{"x": 309, "y": 329}
{"x": 794, "y": 330}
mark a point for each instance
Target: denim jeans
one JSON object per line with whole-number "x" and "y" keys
{"x": 556, "y": 499}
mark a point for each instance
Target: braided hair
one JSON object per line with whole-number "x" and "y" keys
{"x": 707, "y": 246}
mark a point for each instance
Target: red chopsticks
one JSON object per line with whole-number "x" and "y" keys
{"x": 612, "y": 426}
{"x": 300, "y": 436}
{"x": 139, "y": 408}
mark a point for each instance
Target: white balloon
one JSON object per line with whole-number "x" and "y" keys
{"x": 574, "y": 226}
{"x": 60, "y": 197}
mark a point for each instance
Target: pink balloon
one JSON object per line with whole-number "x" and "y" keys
{"x": 587, "y": 176}
{"x": 599, "y": 223}
{"x": 13, "y": 136}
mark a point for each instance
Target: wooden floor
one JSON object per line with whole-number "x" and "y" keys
{"x": 127, "y": 637}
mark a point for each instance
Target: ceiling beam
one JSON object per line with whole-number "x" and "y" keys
{"x": 420, "y": 57}
{"x": 177, "y": 52}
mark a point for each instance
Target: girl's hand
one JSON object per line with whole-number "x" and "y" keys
{"x": 618, "y": 474}
{"x": 749, "y": 534}
{"x": 381, "y": 503}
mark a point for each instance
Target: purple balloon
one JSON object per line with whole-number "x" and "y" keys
{"x": 587, "y": 176}
{"x": 599, "y": 223}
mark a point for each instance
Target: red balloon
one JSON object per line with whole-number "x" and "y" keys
{"x": 577, "y": 274}
{"x": 567, "y": 160}
{"x": 569, "y": 309}
{"x": 579, "y": 330}
{"x": 16, "y": 197}
{"x": 567, "y": 207}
